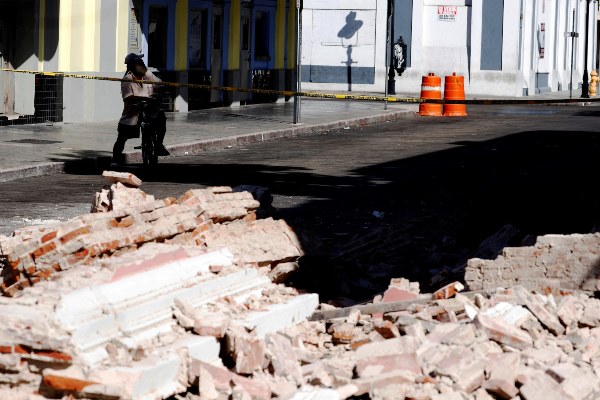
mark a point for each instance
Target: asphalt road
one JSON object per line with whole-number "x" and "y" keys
{"x": 408, "y": 198}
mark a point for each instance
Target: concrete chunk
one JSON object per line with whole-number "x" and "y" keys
{"x": 577, "y": 382}
{"x": 502, "y": 332}
{"x": 535, "y": 305}
{"x": 542, "y": 387}
{"x": 502, "y": 370}
{"x": 125, "y": 178}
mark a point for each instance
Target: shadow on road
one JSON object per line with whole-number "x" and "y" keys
{"x": 420, "y": 217}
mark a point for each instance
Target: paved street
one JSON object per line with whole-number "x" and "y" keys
{"x": 418, "y": 193}
{"x": 41, "y": 145}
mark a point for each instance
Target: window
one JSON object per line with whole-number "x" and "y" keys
{"x": 197, "y": 41}
{"x": 261, "y": 36}
{"x": 157, "y": 37}
{"x": 217, "y": 31}
{"x": 245, "y": 33}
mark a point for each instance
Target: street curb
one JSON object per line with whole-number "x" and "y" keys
{"x": 222, "y": 143}
{"x": 53, "y": 168}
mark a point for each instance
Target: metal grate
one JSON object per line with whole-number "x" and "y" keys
{"x": 199, "y": 98}
{"x": 263, "y": 79}
{"x": 48, "y": 100}
{"x": 48, "y": 103}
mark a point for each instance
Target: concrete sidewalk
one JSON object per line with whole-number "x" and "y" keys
{"x": 34, "y": 150}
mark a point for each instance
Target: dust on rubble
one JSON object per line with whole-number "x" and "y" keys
{"x": 183, "y": 298}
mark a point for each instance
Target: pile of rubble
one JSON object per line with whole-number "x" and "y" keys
{"x": 132, "y": 300}
{"x": 568, "y": 261}
{"x": 502, "y": 344}
{"x": 177, "y": 298}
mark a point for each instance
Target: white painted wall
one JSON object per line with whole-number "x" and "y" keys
{"x": 103, "y": 100}
{"x": 321, "y": 45}
{"x": 443, "y": 47}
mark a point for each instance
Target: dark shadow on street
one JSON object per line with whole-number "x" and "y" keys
{"x": 417, "y": 217}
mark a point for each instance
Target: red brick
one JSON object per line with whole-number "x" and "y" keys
{"x": 126, "y": 222}
{"x": 44, "y": 249}
{"x": 111, "y": 246}
{"x": 21, "y": 349}
{"x": 54, "y": 355}
{"x": 448, "y": 291}
{"x": 66, "y": 384}
{"x": 10, "y": 279}
{"x": 386, "y": 329}
{"x": 43, "y": 274}
{"x": 73, "y": 234}
{"x": 394, "y": 294}
{"x": 49, "y": 236}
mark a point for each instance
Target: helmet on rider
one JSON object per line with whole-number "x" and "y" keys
{"x": 132, "y": 57}
{"x": 135, "y": 64}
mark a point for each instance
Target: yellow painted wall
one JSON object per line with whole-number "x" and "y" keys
{"x": 64, "y": 27}
{"x": 234, "y": 35}
{"x": 181, "y": 34}
{"x": 41, "y": 35}
{"x": 291, "y": 47}
{"x": 79, "y": 43}
{"x": 123, "y": 14}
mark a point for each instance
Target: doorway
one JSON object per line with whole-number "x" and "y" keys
{"x": 158, "y": 25}
{"x": 7, "y": 79}
{"x": 245, "y": 55}
{"x": 216, "y": 54}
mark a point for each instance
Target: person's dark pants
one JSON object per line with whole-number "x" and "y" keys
{"x": 133, "y": 131}
{"x": 124, "y": 132}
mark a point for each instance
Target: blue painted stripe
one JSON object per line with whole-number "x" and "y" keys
{"x": 335, "y": 74}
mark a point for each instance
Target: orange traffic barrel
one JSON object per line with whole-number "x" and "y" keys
{"x": 431, "y": 88}
{"x": 454, "y": 89}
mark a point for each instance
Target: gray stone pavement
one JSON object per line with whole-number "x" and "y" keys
{"x": 34, "y": 150}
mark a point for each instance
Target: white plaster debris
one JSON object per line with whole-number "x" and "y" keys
{"x": 198, "y": 312}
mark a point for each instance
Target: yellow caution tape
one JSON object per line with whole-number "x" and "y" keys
{"x": 312, "y": 94}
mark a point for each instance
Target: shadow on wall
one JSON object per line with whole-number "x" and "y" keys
{"x": 33, "y": 99}
{"x": 352, "y": 26}
{"x": 19, "y": 21}
{"x": 347, "y": 32}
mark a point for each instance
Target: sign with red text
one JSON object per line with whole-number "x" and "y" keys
{"x": 447, "y": 13}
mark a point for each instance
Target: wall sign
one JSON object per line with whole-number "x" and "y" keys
{"x": 447, "y": 13}
{"x": 134, "y": 29}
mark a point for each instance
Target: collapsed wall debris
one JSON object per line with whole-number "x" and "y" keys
{"x": 126, "y": 301}
{"x": 177, "y": 297}
{"x": 567, "y": 261}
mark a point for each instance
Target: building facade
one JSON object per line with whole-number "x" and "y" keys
{"x": 501, "y": 47}
{"x": 240, "y": 43}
